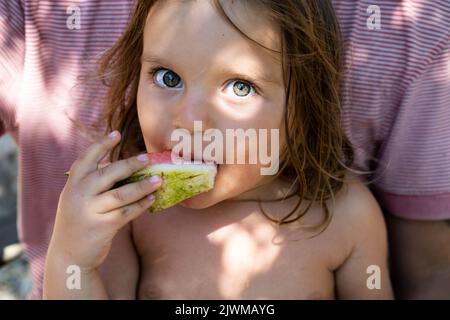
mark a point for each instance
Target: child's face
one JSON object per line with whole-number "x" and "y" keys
{"x": 204, "y": 63}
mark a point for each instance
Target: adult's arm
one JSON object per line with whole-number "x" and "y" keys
{"x": 420, "y": 185}
{"x": 12, "y": 54}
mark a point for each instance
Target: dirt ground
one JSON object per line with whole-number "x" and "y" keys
{"x": 15, "y": 281}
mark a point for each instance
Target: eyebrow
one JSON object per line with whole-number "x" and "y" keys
{"x": 256, "y": 76}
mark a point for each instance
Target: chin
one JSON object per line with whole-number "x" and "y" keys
{"x": 231, "y": 181}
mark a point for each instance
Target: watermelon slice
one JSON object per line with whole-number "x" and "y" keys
{"x": 179, "y": 181}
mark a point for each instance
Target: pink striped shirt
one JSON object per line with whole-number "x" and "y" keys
{"x": 396, "y": 100}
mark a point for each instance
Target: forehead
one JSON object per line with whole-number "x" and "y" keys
{"x": 190, "y": 30}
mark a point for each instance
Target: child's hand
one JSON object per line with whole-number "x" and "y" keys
{"x": 88, "y": 215}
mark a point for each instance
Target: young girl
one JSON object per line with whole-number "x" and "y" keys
{"x": 311, "y": 231}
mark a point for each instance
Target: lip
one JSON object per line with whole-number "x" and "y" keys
{"x": 197, "y": 159}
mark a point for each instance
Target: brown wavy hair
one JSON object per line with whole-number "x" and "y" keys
{"x": 317, "y": 153}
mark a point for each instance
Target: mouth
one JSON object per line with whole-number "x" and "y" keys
{"x": 199, "y": 160}
{"x": 193, "y": 158}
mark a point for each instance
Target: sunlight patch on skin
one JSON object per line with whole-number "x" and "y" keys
{"x": 245, "y": 253}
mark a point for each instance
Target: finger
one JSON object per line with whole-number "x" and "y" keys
{"x": 88, "y": 162}
{"x": 127, "y": 194}
{"x": 104, "y": 178}
{"x": 121, "y": 216}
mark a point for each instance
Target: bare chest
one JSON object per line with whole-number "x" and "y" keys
{"x": 185, "y": 257}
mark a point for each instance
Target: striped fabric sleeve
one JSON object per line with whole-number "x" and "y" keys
{"x": 12, "y": 50}
{"x": 418, "y": 183}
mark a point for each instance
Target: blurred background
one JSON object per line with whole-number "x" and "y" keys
{"x": 15, "y": 280}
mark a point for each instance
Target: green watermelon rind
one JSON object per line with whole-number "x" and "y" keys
{"x": 176, "y": 186}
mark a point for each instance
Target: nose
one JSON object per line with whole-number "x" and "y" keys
{"x": 193, "y": 106}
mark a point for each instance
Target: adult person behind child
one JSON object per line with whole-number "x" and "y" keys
{"x": 395, "y": 111}
{"x": 396, "y": 103}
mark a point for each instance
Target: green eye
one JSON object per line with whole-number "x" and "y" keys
{"x": 241, "y": 89}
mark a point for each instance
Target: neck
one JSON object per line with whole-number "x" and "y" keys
{"x": 275, "y": 188}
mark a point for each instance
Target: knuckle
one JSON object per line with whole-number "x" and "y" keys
{"x": 125, "y": 211}
{"x": 133, "y": 165}
{"x": 118, "y": 195}
{"x": 141, "y": 205}
{"x": 130, "y": 162}
{"x": 101, "y": 172}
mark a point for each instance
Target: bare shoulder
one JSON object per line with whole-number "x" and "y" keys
{"x": 356, "y": 202}
{"x": 356, "y": 213}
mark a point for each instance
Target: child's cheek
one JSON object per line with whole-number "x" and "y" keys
{"x": 155, "y": 136}
{"x": 152, "y": 120}
{"x": 238, "y": 178}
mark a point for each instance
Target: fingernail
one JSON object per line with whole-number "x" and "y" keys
{"x": 142, "y": 157}
{"x": 151, "y": 197}
{"x": 154, "y": 179}
{"x": 113, "y": 134}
